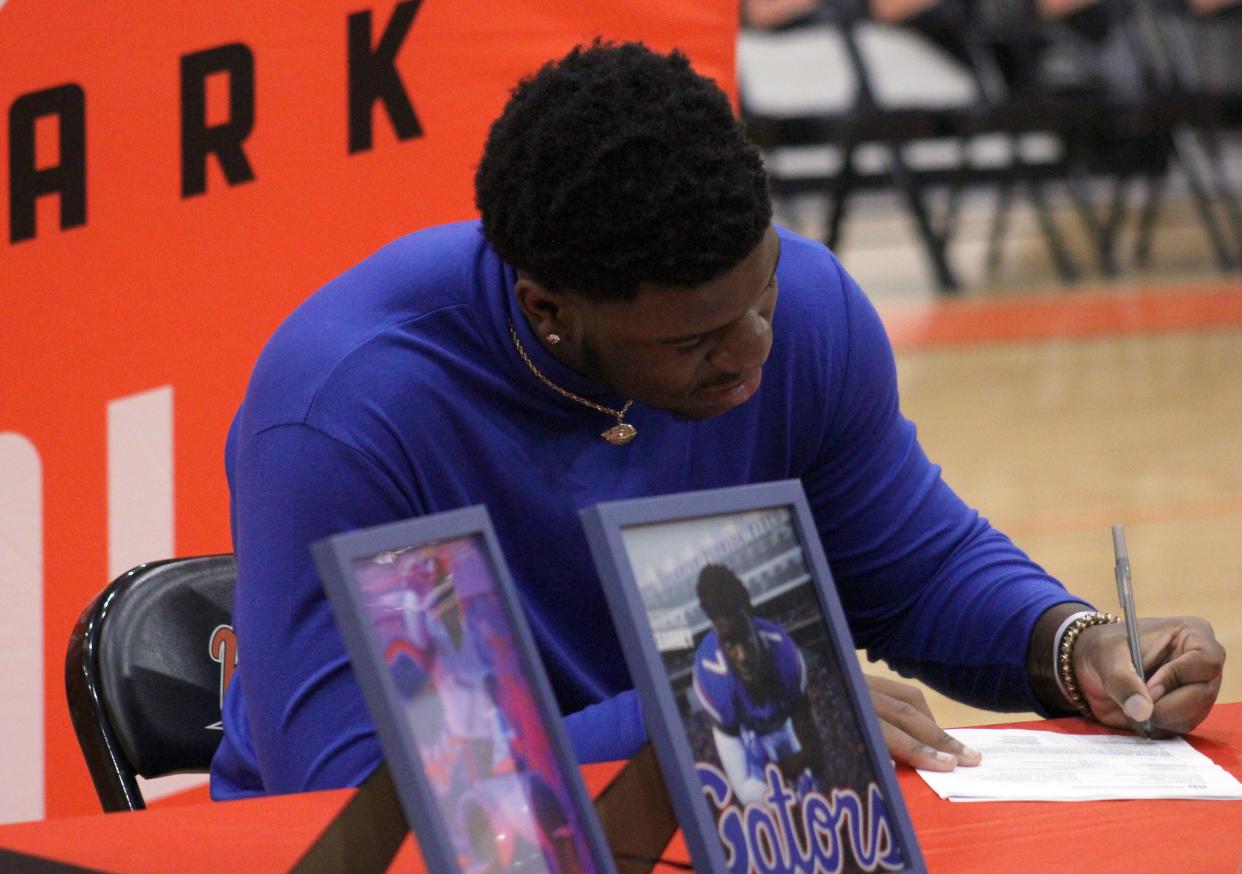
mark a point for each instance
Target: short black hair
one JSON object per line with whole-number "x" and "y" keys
{"x": 616, "y": 165}
{"x": 721, "y": 592}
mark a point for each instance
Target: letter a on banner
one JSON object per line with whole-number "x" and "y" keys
{"x": 67, "y": 177}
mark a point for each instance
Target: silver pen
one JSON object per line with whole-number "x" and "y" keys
{"x": 1125, "y": 594}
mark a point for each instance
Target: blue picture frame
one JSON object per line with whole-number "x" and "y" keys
{"x": 647, "y": 551}
{"x": 470, "y": 731}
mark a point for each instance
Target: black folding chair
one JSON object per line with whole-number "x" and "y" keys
{"x": 1196, "y": 112}
{"x": 1147, "y": 119}
{"x": 951, "y": 26}
{"x": 145, "y": 673}
{"x": 864, "y": 122}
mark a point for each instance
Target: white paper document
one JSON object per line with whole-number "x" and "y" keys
{"x": 1025, "y": 765}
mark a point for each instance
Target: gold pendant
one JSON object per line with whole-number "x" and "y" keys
{"x": 620, "y": 434}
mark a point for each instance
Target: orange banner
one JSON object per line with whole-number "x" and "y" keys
{"x": 177, "y": 177}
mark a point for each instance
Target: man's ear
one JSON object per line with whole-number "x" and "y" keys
{"x": 547, "y": 310}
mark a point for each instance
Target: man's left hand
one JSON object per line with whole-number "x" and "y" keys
{"x": 910, "y": 731}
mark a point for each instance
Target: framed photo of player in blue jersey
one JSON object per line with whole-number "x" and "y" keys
{"x": 470, "y": 730}
{"x": 758, "y": 711}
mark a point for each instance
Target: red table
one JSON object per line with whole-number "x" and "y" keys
{"x": 270, "y": 834}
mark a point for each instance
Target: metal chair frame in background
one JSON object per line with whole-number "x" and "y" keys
{"x": 145, "y": 673}
{"x": 1104, "y": 137}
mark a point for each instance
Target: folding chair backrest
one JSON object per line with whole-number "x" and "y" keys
{"x": 145, "y": 673}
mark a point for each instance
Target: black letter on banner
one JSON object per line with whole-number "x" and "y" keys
{"x": 26, "y": 181}
{"x": 373, "y": 76}
{"x": 225, "y": 140}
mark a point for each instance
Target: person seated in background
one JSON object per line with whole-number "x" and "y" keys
{"x": 1212, "y": 7}
{"x": 952, "y": 26}
{"x": 772, "y": 14}
{"x": 611, "y": 330}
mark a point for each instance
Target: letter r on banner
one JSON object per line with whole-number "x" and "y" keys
{"x": 198, "y": 138}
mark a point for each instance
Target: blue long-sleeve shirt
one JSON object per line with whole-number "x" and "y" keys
{"x": 395, "y": 391}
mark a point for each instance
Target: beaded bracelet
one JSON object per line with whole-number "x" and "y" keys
{"x": 1056, "y": 651}
{"x": 1065, "y": 656}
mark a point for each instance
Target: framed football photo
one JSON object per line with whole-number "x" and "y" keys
{"x": 757, "y": 708}
{"x": 471, "y": 733}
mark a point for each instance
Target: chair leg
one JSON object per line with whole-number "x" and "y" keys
{"x": 953, "y": 202}
{"x": 840, "y": 198}
{"x": 933, "y": 243}
{"x": 1225, "y": 188}
{"x": 1147, "y": 217}
{"x": 1101, "y": 231}
{"x": 1000, "y": 220}
{"x": 1116, "y": 212}
{"x": 1066, "y": 269}
{"x": 1182, "y": 140}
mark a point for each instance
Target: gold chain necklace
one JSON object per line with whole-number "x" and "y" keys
{"x": 618, "y": 435}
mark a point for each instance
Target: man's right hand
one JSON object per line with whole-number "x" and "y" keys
{"x": 910, "y": 731}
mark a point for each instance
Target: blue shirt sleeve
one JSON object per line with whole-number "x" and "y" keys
{"x": 609, "y": 731}
{"x": 309, "y": 727}
{"x": 927, "y": 584}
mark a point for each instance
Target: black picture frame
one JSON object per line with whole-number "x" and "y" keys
{"x": 466, "y": 718}
{"x": 650, "y": 553}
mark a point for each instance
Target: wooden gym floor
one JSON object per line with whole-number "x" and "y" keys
{"x": 1059, "y": 413}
